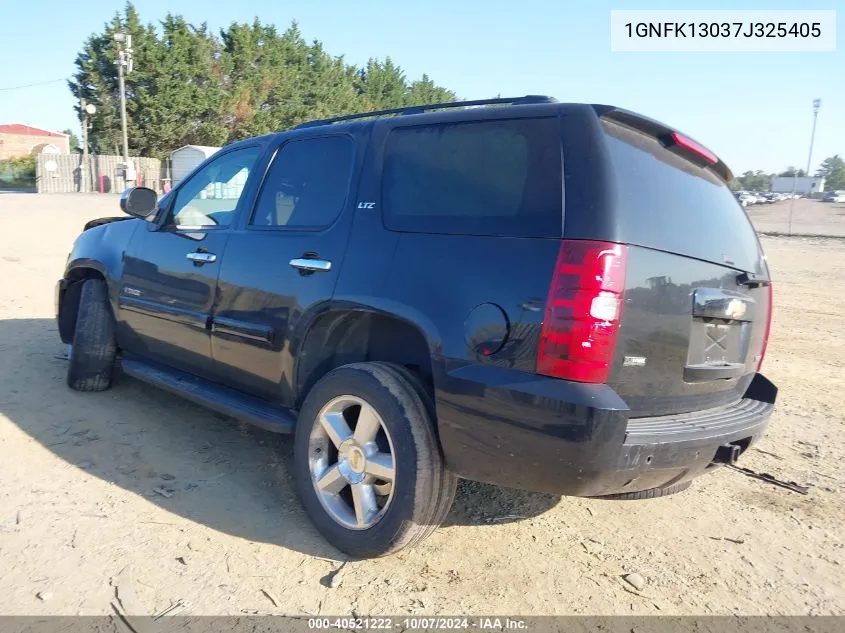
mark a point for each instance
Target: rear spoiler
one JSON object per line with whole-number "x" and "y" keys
{"x": 670, "y": 138}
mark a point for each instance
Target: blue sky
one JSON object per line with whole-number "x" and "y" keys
{"x": 753, "y": 109}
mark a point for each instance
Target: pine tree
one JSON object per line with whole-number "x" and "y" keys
{"x": 382, "y": 85}
{"x": 73, "y": 141}
{"x": 96, "y": 81}
{"x": 184, "y": 97}
{"x": 833, "y": 171}
{"x": 191, "y": 86}
{"x": 424, "y": 91}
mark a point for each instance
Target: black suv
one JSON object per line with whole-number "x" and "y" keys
{"x": 556, "y": 297}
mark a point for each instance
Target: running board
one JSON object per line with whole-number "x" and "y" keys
{"x": 222, "y": 399}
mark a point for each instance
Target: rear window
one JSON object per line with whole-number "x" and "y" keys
{"x": 476, "y": 178}
{"x": 668, "y": 203}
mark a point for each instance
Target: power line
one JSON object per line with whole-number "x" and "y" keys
{"x": 40, "y": 83}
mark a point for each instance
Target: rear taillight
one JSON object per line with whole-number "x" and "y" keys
{"x": 768, "y": 326}
{"x": 583, "y": 311}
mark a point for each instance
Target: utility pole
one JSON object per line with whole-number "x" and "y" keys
{"x": 85, "y": 111}
{"x": 123, "y": 112}
{"x": 817, "y": 103}
{"x": 83, "y": 168}
{"x": 792, "y": 201}
{"x": 124, "y": 60}
{"x": 88, "y": 109}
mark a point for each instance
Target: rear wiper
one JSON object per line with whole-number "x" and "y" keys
{"x": 752, "y": 280}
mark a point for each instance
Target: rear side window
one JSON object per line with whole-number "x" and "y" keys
{"x": 668, "y": 203}
{"x": 476, "y": 178}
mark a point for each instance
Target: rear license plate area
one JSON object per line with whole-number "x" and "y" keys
{"x": 719, "y": 335}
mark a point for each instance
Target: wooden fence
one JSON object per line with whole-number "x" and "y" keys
{"x": 61, "y": 173}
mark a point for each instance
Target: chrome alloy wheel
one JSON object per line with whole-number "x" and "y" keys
{"x": 351, "y": 458}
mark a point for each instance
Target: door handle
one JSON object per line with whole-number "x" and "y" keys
{"x": 311, "y": 265}
{"x": 202, "y": 258}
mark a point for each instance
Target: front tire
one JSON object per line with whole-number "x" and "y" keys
{"x": 367, "y": 464}
{"x": 92, "y": 354}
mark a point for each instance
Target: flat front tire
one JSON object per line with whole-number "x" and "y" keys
{"x": 92, "y": 353}
{"x": 367, "y": 463}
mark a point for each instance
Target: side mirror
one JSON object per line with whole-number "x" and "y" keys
{"x": 139, "y": 202}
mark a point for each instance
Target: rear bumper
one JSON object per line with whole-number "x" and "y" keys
{"x": 534, "y": 433}
{"x": 659, "y": 452}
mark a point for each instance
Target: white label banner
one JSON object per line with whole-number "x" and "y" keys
{"x": 723, "y": 30}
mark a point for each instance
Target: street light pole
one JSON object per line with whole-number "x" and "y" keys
{"x": 123, "y": 111}
{"x": 816, "y": 105}
{"x": 124, "y": 60}
{"x": 83, "y": 172}
{"x": 88, "y": 109}
{"x": 792, "y": 201}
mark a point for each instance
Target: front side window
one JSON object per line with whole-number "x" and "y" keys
{"x": 307, "y": 184}
{"x": 211, "y": 196}
{"x": 477, "y": 178}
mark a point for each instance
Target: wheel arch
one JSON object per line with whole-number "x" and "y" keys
{"x": 351, "y": 334}
{"x": 68, "y": 304}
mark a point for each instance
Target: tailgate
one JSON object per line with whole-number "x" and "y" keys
{"x": 696, "y": 301}
{"x": 692, "y": 336}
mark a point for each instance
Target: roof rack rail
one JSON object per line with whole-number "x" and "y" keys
{"x": 419, "y": 109}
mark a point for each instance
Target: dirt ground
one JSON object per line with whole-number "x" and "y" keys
{"x": 79, "y": 516}
{"x": 802, "y": 216}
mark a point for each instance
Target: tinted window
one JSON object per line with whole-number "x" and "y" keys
{"x": 307, "y": 184}
{"x": 666, "y": 202}
{"x": 479, "y": 178}
{"x": 211, "y": 196}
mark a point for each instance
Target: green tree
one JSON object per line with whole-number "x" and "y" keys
{"x": 96, "y": 81}
{"x": 753, "y": 181}
{"x": 17, "y": 172}
{"x": 382, "y": 85}
{"x": 833, "y": 171}
{"x": 183, "y": 99}
{"x": 792, "y": 171}
{"x": 192, "y": 86}
{"x": 331, "y": 86}
{"x": 424, "y": 91}
{"x": 73, "y": 141}
{"x": 266, "y": 75}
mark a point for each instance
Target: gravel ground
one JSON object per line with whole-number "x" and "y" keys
{"x": 802, "y": 216}
{"x": 80, "y": 516}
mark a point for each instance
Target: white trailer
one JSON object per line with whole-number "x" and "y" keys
{"x": 800, "y": 184}
{"x": 184, "y": 159}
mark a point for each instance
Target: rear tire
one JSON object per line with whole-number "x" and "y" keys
{"x": 652, "y": 493}
{"x": 92, "y": 354}
{"x": 422, "y": 490}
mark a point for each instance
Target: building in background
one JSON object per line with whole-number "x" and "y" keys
{"x": 800, "y": 184}
{"x": 17, "y": 140}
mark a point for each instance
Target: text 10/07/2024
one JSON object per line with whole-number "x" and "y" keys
{"x": 418, "y": 624}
